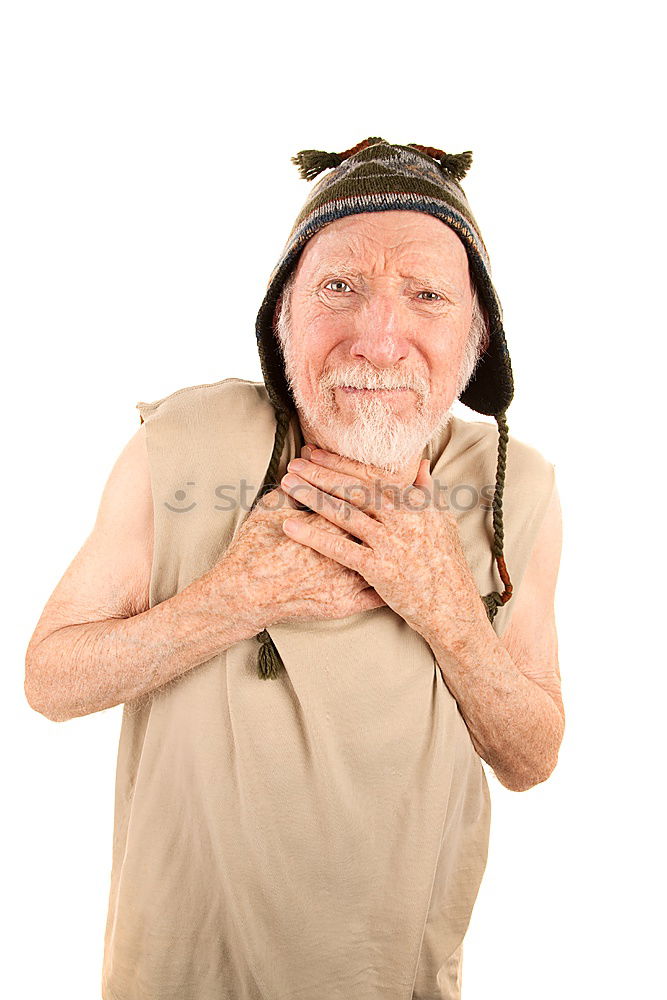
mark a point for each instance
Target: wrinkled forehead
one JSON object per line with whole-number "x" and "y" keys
{"x": 402, "y": 241}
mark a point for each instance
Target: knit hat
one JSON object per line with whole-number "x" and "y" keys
{"x": 378, "y": 176}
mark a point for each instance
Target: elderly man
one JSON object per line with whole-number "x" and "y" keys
{"x": 323, "y": 835}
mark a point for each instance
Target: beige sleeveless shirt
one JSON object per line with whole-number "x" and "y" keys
{"x": 323, "y": 835}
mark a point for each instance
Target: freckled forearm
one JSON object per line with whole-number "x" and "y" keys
{"x": 515, "y": 724}
{"x": 84, "y": 668}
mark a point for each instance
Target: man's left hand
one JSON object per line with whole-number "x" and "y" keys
{"x": 409, "y": 550}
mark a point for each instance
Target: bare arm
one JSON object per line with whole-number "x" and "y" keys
{"x": 509, "y": 688}
{"x": 98, "y": 643}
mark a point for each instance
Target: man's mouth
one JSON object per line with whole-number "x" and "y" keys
{"x": 354, "y": 389}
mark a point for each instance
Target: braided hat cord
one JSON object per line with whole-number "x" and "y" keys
{"x": 268, "y": 657}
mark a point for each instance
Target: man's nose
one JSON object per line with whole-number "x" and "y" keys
{"x": 380, "y": 333}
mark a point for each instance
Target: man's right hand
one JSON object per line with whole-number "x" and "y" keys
{"x": 279, "y": 579}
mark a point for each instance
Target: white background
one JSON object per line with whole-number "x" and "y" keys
{"x": 147, "y": 192}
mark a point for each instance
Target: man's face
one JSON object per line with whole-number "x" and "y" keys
{"x": 381, "y": 303}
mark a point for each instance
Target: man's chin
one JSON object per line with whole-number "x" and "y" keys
{"x": 340, "y": 423}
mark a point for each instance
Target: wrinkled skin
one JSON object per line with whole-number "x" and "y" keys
{"x": 283, "y": 580}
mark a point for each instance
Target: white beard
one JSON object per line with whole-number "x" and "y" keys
{"x": 375, "y": 434}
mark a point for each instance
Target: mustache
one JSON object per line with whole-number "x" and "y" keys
{"x": 363, "y": 378}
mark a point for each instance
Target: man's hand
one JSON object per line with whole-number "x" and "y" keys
{"x": 411, "y": 551}
{"x": 277, "y": 579}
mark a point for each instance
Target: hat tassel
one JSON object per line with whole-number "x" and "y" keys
{"x": 268, "y": 658}
{"x": 312, "y": 162}
{"x": 456, "y": 165}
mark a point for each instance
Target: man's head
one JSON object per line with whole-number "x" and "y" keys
{"x": 380, "y": 300}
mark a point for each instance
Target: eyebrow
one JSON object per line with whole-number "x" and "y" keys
{"x": 343, "y": 264}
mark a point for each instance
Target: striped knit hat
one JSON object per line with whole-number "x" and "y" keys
{"x": 378, "y": 176}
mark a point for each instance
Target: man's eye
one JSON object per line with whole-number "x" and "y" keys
{"x": 426, "y": 292}
{"x": 337, "y": 281}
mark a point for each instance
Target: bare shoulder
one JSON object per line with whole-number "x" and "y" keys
{"x": 127, "y": 501}
{"x": 109, "y": 576}
{"x": 531, "y": 636}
